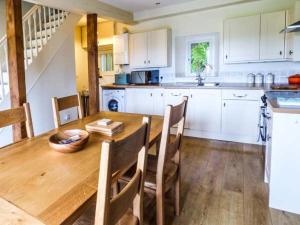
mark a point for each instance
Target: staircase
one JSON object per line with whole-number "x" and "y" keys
{"x": 39, "y": 25}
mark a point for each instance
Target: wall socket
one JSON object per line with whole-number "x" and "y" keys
{"x": 67, "y": 117}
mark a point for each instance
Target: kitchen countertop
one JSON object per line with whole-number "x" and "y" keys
{"x": 191, "y": 86}
{"x": 272, "y": 101}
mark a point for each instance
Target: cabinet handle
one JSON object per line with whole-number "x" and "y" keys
{"x": 161, "y": 94}
{"x": 269, "y": 138}
{"x": 240, "y": 96}
{"x": 151, "y": 94}
{"x": 226, "y": 56}
{"x": 224, "y": 104}
{"x": 175, "y": 94}
{"x": 191, "y": 96}
{"x": 149, "y": 61}
{"x": 280, "y": 53}
{"x": 145, "y": 62}
{"x": 291, "y": 52}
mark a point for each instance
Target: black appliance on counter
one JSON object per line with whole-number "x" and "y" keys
{"x": 144, "y": 77}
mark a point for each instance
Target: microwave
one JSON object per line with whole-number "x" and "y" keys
{"x": 144, "y": 77}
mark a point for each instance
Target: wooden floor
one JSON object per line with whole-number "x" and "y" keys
{"x": 222, "y": 184}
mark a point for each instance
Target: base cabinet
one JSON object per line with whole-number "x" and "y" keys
{"x": 204, "y": 110}
{"x": 145, "y": 101}
{"x": 240, "y": 119}
{"x": 285, "y": 168}
{"x": 230, "y": 115}
{"x": 174, "y": 97}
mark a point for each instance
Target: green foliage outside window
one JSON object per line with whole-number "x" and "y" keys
{"x": 199, "y": 56}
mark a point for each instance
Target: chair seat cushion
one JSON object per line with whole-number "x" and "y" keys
{"x": 150, "y": 180}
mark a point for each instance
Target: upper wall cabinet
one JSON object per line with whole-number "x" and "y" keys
{"x": 241, "y": 39}
{"x": 272, "y": 42}
{"x": 120, "y": 49}
{"x": 150, "y": 49}
{"x": 257, "y": 38}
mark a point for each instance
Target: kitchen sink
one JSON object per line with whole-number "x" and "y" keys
{"x": 190, "y": 84}
{"x": 209, "y": 84}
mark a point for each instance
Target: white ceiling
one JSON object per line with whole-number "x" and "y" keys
{"x": 140, "y": 5}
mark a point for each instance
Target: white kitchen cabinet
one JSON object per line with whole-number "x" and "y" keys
{"x": 158, "y": 48}
{"x": 241, "y": 39}
{"x": 138, "y": 50}
{"x": 285, "y": 168}
{"x": 144, "y": 101}
{"x": 150, "y": 49}
{"x": 272, "y": 42}
{"x": 289, "y": 38}
{"x": 120, "y": 49}
{"x": 240, "y": 114}
{"x": 174, "y": 97}
{"x": 240, "y": 119}
{"x": 158, "y": 102}
{"x": 204, "y": 110}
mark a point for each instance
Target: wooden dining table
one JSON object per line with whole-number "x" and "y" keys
{"x": 42, "y": 186}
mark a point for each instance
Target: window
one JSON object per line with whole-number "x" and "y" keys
{"x": 201, "y": 55}
{"x": 105, "y": 59}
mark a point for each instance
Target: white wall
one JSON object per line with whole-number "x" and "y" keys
{"x": 58, "y": 79}
{"x": 211, "y": 21}
{"x": 51, "y": 74}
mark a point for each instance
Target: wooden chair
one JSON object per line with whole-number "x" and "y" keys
{"x": 116, "y": 209}
{"x": 59, "y": 104}
{"x": 18, "y": 115}
{"x": 163, "y": 172}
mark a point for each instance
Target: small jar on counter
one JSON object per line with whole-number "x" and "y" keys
{"x": 251, "y": 78}
{"x": 270, "y": 78}
{"x": 259, "y": 79}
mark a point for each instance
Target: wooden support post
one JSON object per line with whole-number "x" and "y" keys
{"x": 16, "y": 68}
{"x": 92, "y": 49}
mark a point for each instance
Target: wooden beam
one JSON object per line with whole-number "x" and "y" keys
{"x": 14, "y": 31}
{"x": 92, "y": 49}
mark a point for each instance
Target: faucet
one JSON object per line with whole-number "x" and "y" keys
{"x": 200, "y": 79}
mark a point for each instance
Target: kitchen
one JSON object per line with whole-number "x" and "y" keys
{"x": 251, "y": 53}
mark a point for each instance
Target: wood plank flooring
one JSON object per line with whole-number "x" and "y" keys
{"x": 222, "y": 184}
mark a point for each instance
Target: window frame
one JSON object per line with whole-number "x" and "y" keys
{"x": 212, "y": 39}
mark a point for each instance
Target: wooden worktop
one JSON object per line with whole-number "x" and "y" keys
{"x": 52, "y": 186}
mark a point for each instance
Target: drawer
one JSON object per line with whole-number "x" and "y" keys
{"x": 242, "y": 94}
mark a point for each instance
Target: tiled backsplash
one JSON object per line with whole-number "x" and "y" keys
{"x": 231, "y": 77}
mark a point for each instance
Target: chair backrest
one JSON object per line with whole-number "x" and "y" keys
{"x": 59, "y": 104}
{"x": 117, "y": 157}
{"x": 17, "y": 115}
{"x": 170, "y": 149}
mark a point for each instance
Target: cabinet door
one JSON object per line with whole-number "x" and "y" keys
{"x": 241, "y": 39}
{"x": 174, "y": 97}
{"x": 158, "y": 48}
{"x": 120, "y": 49}
{"x": 240, "y": 118}
{"x": 130, "y": 100}
{"x": 272, "y": 42}
{"x": 158, "y": 102}
{"x": 138, "y": 50}
{"x": 205, "y": 110}
{"x": 289, "y": 43}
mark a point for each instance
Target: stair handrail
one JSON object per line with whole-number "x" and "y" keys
{"x": 39, "y": 24}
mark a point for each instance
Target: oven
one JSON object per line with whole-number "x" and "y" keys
{"x": 263, "y": 121}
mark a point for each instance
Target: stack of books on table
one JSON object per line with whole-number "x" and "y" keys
{"x": 105, "y": 127}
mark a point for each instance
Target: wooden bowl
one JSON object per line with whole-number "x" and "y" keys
{"x": 54, "y": 141}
